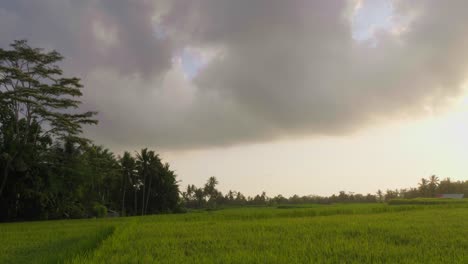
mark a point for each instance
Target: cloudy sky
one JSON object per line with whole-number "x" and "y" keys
{"x": 298, "y": 96}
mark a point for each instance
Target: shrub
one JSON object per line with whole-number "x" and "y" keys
{"x": 99, "y": 210}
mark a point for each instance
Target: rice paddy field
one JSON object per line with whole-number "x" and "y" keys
{"x": 354, "y": 233}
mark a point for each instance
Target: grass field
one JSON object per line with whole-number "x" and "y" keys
{"x": 364, "y": 233}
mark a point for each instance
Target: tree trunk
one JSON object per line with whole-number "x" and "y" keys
{"x": 148, "y": 195}
{"x": 123, "y": 195}
{"x": 143, "y": 197}
{"x": 135, "y": 209}
{"x": 5, "y": 176}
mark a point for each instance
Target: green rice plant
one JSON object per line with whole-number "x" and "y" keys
{"x": 434, "y": 235}
{"x": 338, "y": 233}
{"x": 427, "y": 201}
{"x": 51, "y": 241}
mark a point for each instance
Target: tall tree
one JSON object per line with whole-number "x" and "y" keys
{"x": 433, "y": 184}
{"x": 423, "y": 187}
{"x": 210, "y": 190}
{"x": 127, "y": 163}
{"x": 34, "y": 94}
{"x": 38, "y": 107}
{"x": 155, "y": 174}
{"x": 380, "y": 195}
{"x": 445, "y": 186}
{"x": 143, "y": 171}
{"x": 149, "y": 167}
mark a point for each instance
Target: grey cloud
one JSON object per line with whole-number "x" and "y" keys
{"x": 73, "y": 28}
{"x": 295, "y": 69}
{"x": 283, "y": 68}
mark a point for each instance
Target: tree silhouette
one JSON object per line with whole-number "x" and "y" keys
{"x": 148, "y": 166}
{"x": 432, "y": 186}
{"x": 48, "y": 170}
{"x": 34, "y": 95}
{"x": 210, "y": 191}
{"x": 128, "y": 169}
{"x": 380, "y": 195}
{"x": 423, "y": 187}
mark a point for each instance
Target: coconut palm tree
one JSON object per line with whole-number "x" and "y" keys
{"x": 423, "y": 187}
{"x": 433, "y": 184}
{"x": 149, "y": 166}
{"x": 127, "y": 164}
{"x": 154, "y": 173}
{"x": 142, "y": 163}
{"x": 211, "y": 191}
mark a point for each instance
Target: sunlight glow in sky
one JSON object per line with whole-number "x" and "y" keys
{"x": 395, "y": 155}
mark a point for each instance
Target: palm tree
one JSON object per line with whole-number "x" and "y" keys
{"x": 148, "y": 166}
{"x": 445, "y": 186}
{"x": 127, "y": 164}
{"x": 210, "y": 190}
{"x": 423, "y": 187}
{"x": 380, "y": 195}
{"x": 103, "y": 168}
{"x": 188, "y": 195}
{"x": 433, "y": 184}
{"x": 143, "y": 168}
{"x": 154, "y": 172}
{"x": 200, "y": 196}
{"x": 168, "y": 188}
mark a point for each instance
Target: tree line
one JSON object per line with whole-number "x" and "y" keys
{"x": 48, "y": 170}
{"x": 427, "y": 188}
{"x": 210, "y": 197}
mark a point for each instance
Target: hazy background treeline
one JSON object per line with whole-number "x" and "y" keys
{"x": 209, "y": 197}
{"x": 48, "y": 170}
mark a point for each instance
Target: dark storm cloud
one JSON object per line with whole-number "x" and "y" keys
{"x": 93, "y": 33}
{"x": 276, "y": 69}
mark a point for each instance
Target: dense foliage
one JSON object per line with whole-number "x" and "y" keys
{"x": 47, "y": 169}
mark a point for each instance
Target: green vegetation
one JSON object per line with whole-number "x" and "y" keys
{"x": 209, "y": 197}
{"x": 427, "y": 201}
{"x": 48, "y": 170}
{"x": 357, "y": 233}
{"x": 52, "y": 241}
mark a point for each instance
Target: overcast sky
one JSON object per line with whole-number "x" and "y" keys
{"x": 297, "y": 96}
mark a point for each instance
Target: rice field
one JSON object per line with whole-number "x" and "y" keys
{"x": 363, "y": 233}
{"x": 51, "y": 241}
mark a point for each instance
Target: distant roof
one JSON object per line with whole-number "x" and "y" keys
{"x": 451, "y": 195}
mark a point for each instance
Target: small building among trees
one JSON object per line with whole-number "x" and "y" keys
{"x": 451, "y": 195}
